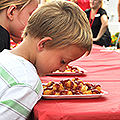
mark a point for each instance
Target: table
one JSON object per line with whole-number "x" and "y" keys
{"x": 102, "y": 67}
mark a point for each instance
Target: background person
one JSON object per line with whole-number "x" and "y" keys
{"x": 14, "y": 14}
{"x": 119, "y": 10}
{"x": 51, "y": 40}
{"x": 98, "y": 20}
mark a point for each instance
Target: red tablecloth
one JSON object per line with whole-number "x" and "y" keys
{"x": 102, "y": 67}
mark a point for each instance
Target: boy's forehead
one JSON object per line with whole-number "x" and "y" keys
{"x": 74, "y": 52}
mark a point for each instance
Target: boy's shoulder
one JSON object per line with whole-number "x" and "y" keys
{"x": 19, "y": 68}
{"x": 15, "y": 63}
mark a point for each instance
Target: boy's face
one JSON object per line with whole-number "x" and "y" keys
{"x": 53, "y": 60}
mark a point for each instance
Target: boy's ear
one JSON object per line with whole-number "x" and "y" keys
{"x": 40, "y": 44}
{"x": 10, "y": 11}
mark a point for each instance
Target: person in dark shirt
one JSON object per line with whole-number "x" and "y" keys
{"x": 14, "y": 14}
{"x": 4, "y": 39}
{"x": 118, "y": 9}
{"x": 98, "y": 20}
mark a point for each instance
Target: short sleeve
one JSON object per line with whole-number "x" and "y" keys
{"x": 102, "y": 12}
{"x": 17, "y": 102}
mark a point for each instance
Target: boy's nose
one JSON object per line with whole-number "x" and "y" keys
{"x": 62, "y": 68}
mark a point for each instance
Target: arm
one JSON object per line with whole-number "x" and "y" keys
{"x": 104, "y": 26}
{"x": 119, "y": 10}
{"x": 17, "y": 98}
{"x": 17, "y": 103}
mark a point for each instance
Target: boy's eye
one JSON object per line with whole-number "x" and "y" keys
{"x": 63, "y": 62}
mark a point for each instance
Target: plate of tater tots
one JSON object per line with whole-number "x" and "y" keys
{"x": 72, "y": 88}
{"x": 70, "y": 70}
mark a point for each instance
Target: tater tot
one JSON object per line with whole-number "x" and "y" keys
{"x": 47, "y": 92}
{"x": 69, "y": 93}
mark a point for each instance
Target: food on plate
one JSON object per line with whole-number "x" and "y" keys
{"x": 70, "y": 70}
{"x": 73, "y": 86}
{"x": 73, "y": 69}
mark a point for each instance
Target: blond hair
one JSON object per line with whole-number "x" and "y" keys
{"x": 19, "y": 3}
{"x": 64, "y": 22}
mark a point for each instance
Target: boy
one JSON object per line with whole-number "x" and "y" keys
{"x": 57, "y": 33}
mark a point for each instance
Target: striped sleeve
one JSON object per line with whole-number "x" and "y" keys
{"x": 16, "y": 99}
{"x": 16, "y": 107}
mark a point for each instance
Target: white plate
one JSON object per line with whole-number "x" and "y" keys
{"x": 82, "y": 71}
{"x": 75, "y": 96}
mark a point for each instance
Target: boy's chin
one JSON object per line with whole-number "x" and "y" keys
{"x": 43, "y": 75}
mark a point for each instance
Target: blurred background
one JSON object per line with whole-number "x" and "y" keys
{"x": 111, "y": 7}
